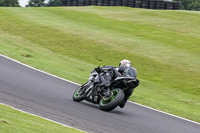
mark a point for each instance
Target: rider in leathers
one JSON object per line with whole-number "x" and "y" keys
{"x": 109, "y": 73}
{"x": 126, "y": 70}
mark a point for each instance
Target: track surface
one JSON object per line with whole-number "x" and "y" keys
{"x": 50, "y": 97}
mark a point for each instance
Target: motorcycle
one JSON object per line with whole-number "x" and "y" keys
{"x": 108, "y": 96}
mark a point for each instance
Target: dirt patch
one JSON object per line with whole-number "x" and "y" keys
{"x": 5, "y": 121}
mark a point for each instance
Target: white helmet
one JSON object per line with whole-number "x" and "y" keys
{"x": 125, "y": 63}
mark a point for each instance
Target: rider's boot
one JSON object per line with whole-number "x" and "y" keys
{"x": 128, "y": 93}
{"x": 107, "y": 93}
{"x": 122, "y": 105}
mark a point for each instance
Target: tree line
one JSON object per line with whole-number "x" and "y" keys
{"x": 190, "y": 4}
{"x": 186, "y": 4}
{"x": 9, "y": 3}
{"x": 41, "y": 3}
{"x": 31, "y": 3}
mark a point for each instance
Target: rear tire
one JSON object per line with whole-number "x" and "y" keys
{"x": 79, "y": 97}
{"x": 113, "y": 102}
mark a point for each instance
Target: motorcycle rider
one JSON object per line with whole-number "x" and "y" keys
{"x": 109, "y": 73}
{"x": 127, "y": 71}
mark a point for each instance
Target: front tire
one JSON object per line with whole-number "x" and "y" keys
{"x": 78, "y": 96}
{"x": 113, "y": 102}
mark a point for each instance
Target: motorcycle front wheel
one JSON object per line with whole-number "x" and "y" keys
{"x": 79, "y": 94}
{"x": 111, "y": 103}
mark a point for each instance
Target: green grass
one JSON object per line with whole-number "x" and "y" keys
{"x": 164, "y": 47}
{"x": 13, "y": 121}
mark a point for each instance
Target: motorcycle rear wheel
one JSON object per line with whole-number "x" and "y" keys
{"x": 113, "y": 102}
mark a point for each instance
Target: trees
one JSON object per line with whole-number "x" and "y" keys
{"x": 190, "y": 4}
{"x": 195, "y": 5}
{"x": 36, "y": 3}
{"x": 9, "y": 3}
{"x": 41, "y": 3}
{"x": 54, "y": 3}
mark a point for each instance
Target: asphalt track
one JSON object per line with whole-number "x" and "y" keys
{"x": 50, "y": 97}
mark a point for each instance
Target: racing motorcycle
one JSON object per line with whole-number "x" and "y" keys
{"x": 108, "y": 96}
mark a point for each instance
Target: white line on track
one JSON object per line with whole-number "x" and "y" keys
{"x": 42, "y": 117}
{"x": 79, "y": 85}
{"x": 165, "y": 113}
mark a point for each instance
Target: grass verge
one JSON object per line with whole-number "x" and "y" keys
{"x": 70, "y": 41}
{"x": 13, "y": 121}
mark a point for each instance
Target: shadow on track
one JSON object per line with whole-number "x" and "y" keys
{"x": 96, "y": 106}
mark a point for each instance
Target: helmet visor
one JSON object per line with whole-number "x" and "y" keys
{"x": 127, "y": 64}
